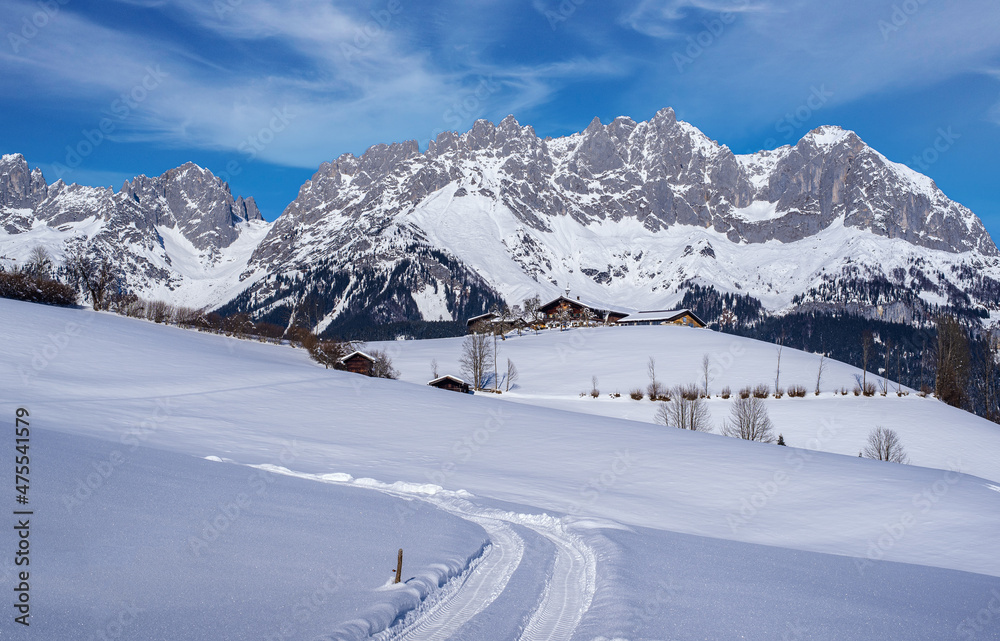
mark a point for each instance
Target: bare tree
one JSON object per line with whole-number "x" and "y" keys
{"x": 883, "y": 445}
{"x": 382, "y": 367}
{"x": 777, "y": 371}
{"x": 511, "y": 375}
{"x": 531, "y": 312}
{"x": 705, "y": 366}
{"x": 986, "y": 379}
{"x": 39, "y": 262}
{"x": 589, "y": 318}
{"x": 475, "y": 359}
{"x": 952, "y": 362}
{"x": 866, "y": 348}
{"x": 329, "y": 353}
{"x": 654, "y": 389}
{"x": 95, "y": 278}
{"x": 685, "y": 410}
{"x": 434, "y": 368}
{"x": 564, "y": 316}
{"x": 749, "y": 420}
{"x": 819, "y": 372}
{"x": 885, "y": 374}
{"x": 593, "y": 387}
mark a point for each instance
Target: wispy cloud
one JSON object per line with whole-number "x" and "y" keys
{"x": 347, "y": 78}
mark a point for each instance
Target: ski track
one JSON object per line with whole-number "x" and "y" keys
{"x": 568, "y": 592}
{"x": 473, "y": 592}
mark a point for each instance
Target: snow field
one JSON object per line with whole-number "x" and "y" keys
{"x": 555, "y": 367}
{"x": 138, "y": 543}
{"x": 598, "y": 512}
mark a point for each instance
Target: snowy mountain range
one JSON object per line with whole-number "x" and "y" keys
{"x": 627, "y": 213}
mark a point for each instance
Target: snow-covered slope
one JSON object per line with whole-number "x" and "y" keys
{"x": 597, "y": 526}
{"x": 555, "y": 369}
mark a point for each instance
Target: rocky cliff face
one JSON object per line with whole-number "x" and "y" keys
{"x": 629, "y": 213}
{"x": 164, "y": 233}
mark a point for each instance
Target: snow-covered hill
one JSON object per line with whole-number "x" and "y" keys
{"x": 555, "y": 369}
{"x": 597, "y": 526}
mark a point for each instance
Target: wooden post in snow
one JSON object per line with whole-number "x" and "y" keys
{"x": 399, "y": 566}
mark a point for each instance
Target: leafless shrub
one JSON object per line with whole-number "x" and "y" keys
{"x": 778, "y": 392}
{"x": 749, "y": 420}
{"x": 797, "y": 391}
{"x": 726, "y": 392}
{"x": 745, "y": 392}
{"x": 636, "y": 394}
{"x": 884, "y": 445}
{"x": 762, "y": 391}
{"x": 685, "y": 411}
{"x": 655, "y": 388}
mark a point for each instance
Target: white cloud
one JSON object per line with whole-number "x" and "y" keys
{"x": 770, "y": 57}
{"x": 356, "y": 83}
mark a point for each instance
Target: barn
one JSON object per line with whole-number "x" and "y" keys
{"x": 451, "y": 384}
{"x": 576, "y": 309}
{"x": 664, "y": 317}
{"x": 359, "y": 363}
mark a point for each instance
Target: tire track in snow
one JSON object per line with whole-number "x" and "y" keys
{"x": 568, "y": 593}
{"x": 475, "y": 592}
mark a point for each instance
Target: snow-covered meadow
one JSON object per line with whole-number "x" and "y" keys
{"x": 596, "y": 523}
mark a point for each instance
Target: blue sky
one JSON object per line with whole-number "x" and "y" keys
{"x": 263, "y": 92}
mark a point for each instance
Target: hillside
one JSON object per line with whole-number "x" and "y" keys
{"x": 567, "y": 499}
{"x": 556, "y": 367}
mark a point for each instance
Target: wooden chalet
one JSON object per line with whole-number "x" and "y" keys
{"x": 451, "y": 384}
{"x": 488, "y": 317}
{"x": 359, "y": 363}
{"x": 574, "y": 308}
{"x": 664, "y": 317}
